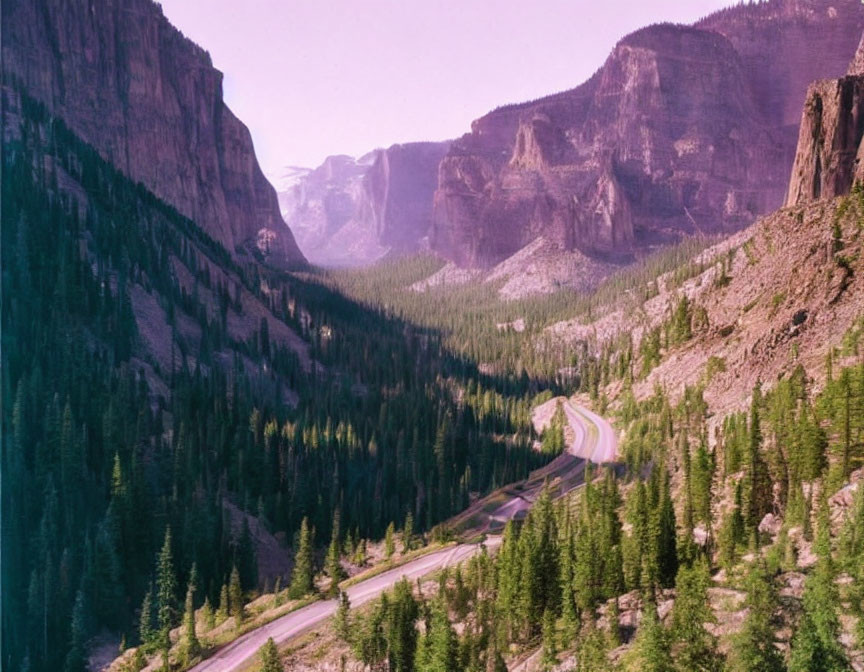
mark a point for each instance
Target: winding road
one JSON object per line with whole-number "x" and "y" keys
{"x": 595, "y": 440}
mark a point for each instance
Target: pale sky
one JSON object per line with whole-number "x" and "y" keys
{"x": 318, "y": 77}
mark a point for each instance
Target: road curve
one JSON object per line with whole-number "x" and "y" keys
{"x": 594, "y": 439}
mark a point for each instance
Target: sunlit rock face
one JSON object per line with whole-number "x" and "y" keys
{"x": 150, "y": 101}
{"x": 355, "y": 211}
{"x": 830, "y": 156}
{"x": 683, "y": 130}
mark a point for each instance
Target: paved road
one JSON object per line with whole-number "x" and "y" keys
{"x": 594, "y": 439}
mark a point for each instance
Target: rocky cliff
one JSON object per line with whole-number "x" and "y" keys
{"x": 350, "y": 211}
{"x": 830, "y": 156}
{"x": 150, "y": 101}
{"x": 683, "y": 130}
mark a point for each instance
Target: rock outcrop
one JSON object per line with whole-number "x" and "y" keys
{"x": 150, "y": 101}
{"x": 830, "y": 156}
{"x": 683, "y": 130}
{"x": 349, "y": 212}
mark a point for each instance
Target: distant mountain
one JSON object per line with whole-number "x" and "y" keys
{"x": 684, "y": 130}
{"x": 354, "y": 211}
{"x": 150, "y": 101}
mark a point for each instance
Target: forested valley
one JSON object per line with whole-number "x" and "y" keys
{"x": 111, "y": 457}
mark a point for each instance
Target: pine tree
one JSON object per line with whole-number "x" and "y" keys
{"x": 269, "y": 655}
{"x": 333, "y": 564}
{"x": 408, "y": 533}
{"x": 207, "y": 614}
{"x": 224, "y": 604}
{"x": 439, "y": 650}
{"x": 650, "y": 650}
{"x": 754, "y": 644}
{"x": 758, "y": 492}
{"x": 235, "y": 597}
{"x": 75, "y": 657}
{"x": 401, "y": 631}
{"x": 166, "y": 592}
{"x": 343, "y": 617}
{"x": 697, "y": 648}
{"x": 592, "y": 654}
{"x": 302, "y": 578}
{"x": 550, "y": 647}
{"x": 815, "y": 645}
{"x": 389, "y": 543}
{"x": 145, "y": 627}
{"x": 192, "y": 645}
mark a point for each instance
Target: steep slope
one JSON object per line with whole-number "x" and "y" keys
{"x": 351, "y": 212}
{"x": 128, "y": 82}
{"x": 830, "y": 153}
{"x": 683, "y": 130}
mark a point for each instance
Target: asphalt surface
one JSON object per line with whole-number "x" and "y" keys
{"x": 595, "y": 440}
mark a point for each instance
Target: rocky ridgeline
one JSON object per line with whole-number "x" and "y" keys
{"x": 683, "y": 130}
{"x": 150, "y": 101}
{"x": 830, "y": 155}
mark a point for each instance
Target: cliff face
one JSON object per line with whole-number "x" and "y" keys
{"x": 830, "y": 156}
{"x": 150, "y": 101}
{"x": 683, "y": 130}
{"x": 352, "y": 212}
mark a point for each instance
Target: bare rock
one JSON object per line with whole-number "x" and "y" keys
{"x": 150, "y": 101}
{"x": 683, "y": 130}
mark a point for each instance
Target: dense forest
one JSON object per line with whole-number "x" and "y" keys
{"x": 116, "y": 466}
{"x": 658, "y": 530}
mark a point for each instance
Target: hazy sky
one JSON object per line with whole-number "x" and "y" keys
{"x": 317, "y": 77}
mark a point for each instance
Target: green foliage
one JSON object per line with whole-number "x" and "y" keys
{"x": 236, "y": 598}
{"x": 343, "y": 617}
{"x": 389, "y": 541}
{"x": 269, "y": 656}
{"x": 753, "y": 647}
{"x": 650, "y": 650}
{"x": 303, "y": 575}
{"x": 166, "y": 592}
{"x": 696, "y": 648}
{"x": 192, "y": 647}
{"x": 333, "y": 564}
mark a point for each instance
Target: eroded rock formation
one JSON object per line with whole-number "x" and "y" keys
{"x": 830, "y": 156}
{"x": 683, "y": 130}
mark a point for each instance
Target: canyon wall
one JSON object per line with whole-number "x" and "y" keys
{"x": 830, "y": 156}
{"x": 683, "y": 130}
{"x": 351, "y": 212}
{"x": 150, "y": 101}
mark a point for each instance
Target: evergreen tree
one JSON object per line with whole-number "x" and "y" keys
{"x": 302, "y": 578}
{"x": 401, "y": 632}
{"x": 75, "y": 657}
{"x": 439, "y": 650}
{"x": 758, "y": 495}
{"x": 650, "y": 650}
{"x": 343, "y": 617}
{"x": 592, "y": 653}
{"x": 269, "y": 655}
{"x": 224, "y": 603}
{"x": 333, "y": 564}
{"x": 408, "y": 533}
{"x": 192, "y": 646}
{"x": 145, "y": 628}
{"x": 389, "y": 543}
{"x": 696, "y": 647}
{"x": 235, "y": 597}
{"x": 550, "y": 647}
{"x": 753, "y": 648}
{"x": 166, "y": 592}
